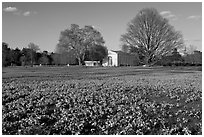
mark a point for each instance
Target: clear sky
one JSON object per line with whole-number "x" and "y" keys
{"x": 41, "y": 23}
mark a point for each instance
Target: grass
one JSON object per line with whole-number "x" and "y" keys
{"x": 77, "y": 72}
{"x": 167, "y": 100}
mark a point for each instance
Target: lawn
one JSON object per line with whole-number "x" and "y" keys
{"x": 101, "y": 100}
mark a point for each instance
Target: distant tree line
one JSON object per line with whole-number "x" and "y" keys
{"x": 32, "y": 56}
{"x": 175, "y": 59}
{"x": 26, "y": 56}
{"x": 29, "y": 56}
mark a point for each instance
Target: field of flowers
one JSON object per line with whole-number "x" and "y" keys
{"x": 101, "y": 101}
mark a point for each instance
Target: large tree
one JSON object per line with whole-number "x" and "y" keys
{"x": 151, "y": 36}
{"x": 79, "y": 40}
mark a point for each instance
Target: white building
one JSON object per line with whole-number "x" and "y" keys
{"x": 119, "y": 58}
{"x": 92, "y": 63}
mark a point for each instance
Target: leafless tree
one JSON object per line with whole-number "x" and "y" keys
{"x": 151, "y": 35}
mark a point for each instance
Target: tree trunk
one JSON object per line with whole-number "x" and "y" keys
{"x": 79, "y": 61}
{"x": 147, "y": 60}
{"x": 83, "y": 57}
{"x": 31, "y": 58}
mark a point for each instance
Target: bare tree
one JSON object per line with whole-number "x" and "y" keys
{"x": 79, "y": 40}
{"x": 151, "y": 35}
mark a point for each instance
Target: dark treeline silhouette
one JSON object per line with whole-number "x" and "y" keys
{"x": 30, "y": 57}
{"x": 175, "y": 59}
{"x": 17, "y": 57}
{"x": 26, "y": 56}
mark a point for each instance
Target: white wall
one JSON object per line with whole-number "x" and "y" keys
{"x": 114, "y": 56}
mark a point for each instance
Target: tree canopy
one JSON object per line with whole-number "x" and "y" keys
{"x": 96, "y": 53}
{"x": 80, "y": 40}
{"x": 151, "y": 36}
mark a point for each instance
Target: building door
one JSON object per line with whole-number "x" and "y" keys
{"x": 110, "y": 62}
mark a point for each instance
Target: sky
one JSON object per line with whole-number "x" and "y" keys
{"x": 42, "y": 22}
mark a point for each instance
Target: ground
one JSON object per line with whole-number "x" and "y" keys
{"x": 101, "y": 100}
